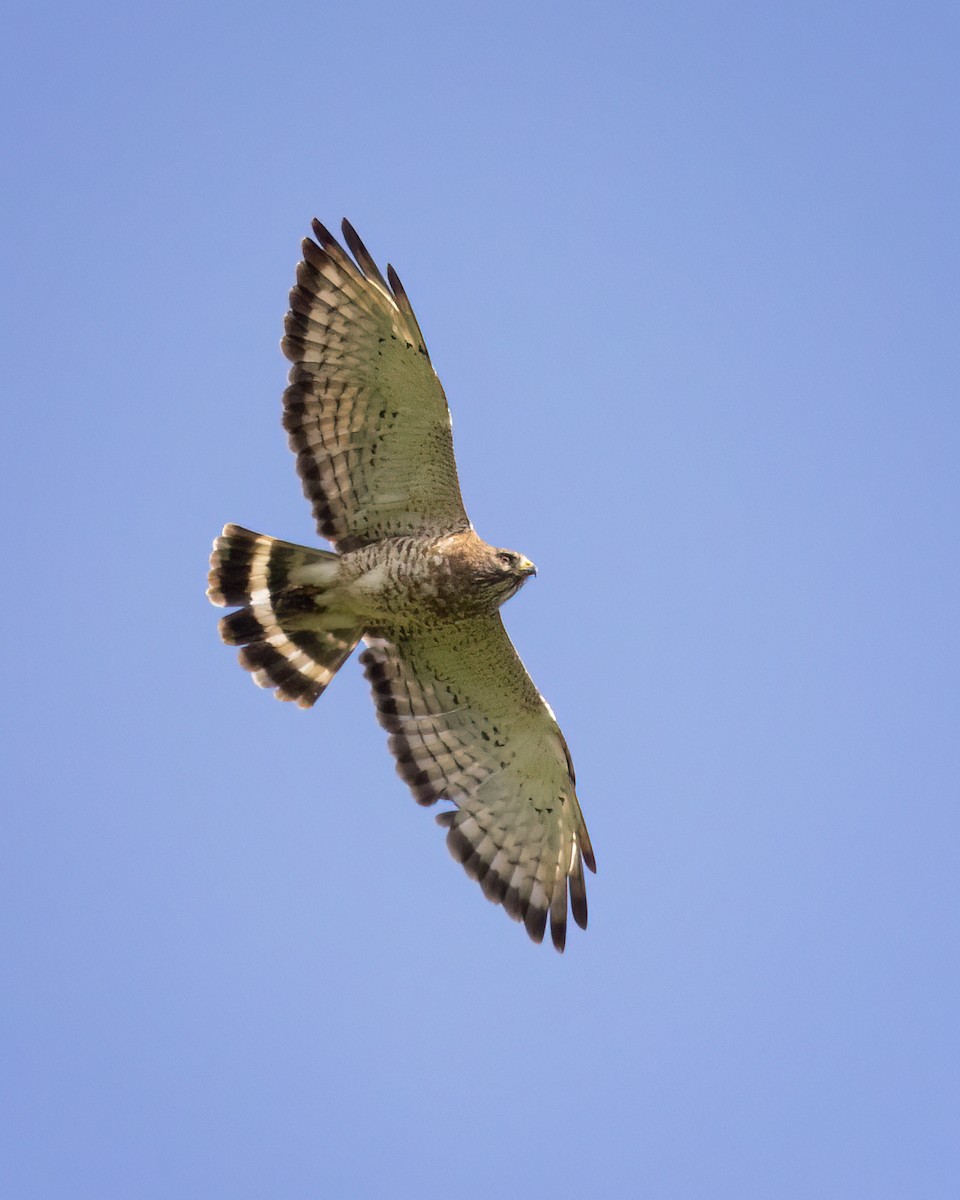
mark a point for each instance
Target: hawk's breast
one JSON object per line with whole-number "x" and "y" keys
{"x": 414, "y": 580}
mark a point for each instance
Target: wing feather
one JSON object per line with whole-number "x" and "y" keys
{"x": 405, "y": 306}
{"x": 467, "y": 725}
{"x": 364, "y": 409}
{"x": 363, "y": 257}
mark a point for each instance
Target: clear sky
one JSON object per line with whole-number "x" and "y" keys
{"x": 689, "y": 274}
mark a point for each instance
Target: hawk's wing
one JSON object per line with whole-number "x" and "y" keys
{"x": 365, "y": 411}
{"x": 467, "y": 724}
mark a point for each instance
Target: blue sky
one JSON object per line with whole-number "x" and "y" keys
{"x": 688, "y": 273}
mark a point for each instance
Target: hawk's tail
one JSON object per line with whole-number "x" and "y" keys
{"x": 292, "y": 636}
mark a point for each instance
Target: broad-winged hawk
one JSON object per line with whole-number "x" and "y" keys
{"x": 369, "y": 423}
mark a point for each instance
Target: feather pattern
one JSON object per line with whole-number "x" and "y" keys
{"x": 466, "y": 724}
{"x": 291, "y": 637}
{"x": 365, "y": 412}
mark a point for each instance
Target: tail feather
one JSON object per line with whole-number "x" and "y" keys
{"x": 293, "y": 638}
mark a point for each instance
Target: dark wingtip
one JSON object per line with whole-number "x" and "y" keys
{"x": 354, "y": 242}
{"x": 406, "y": 307}
{"x": 535, "y": 922}
{"x": 312, "y": 253}
{"x": 321, "y": 232}
{"x": 394, "y": 279}
{"x": 362, "y": 254}
{"x": 578, "y": 902}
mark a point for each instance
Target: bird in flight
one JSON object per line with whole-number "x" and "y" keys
{"x": 368, "y": 421}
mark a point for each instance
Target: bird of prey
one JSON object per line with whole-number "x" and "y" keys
{"x": 368, "y": 420}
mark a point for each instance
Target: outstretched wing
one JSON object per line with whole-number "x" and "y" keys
{"x": 365, "y": 411}
{"x": 467, "y": 724}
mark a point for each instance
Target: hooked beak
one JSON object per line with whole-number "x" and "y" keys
{"x": 526, "y": 567}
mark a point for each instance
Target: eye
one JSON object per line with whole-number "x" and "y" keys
{"x": 507, "y": 557}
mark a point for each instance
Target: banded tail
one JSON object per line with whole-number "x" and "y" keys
{"x": 293, "y": 638}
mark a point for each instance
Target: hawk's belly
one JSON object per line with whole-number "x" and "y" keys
{"x": 409, "y": 581}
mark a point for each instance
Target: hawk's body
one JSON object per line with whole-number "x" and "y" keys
{"x": 368, "y": 419}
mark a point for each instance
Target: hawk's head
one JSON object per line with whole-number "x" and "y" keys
{"x": 478, "y": 577}
{"x": 501, "y": 573}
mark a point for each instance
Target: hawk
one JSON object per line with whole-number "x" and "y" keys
{"x": 368, "y": 420}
